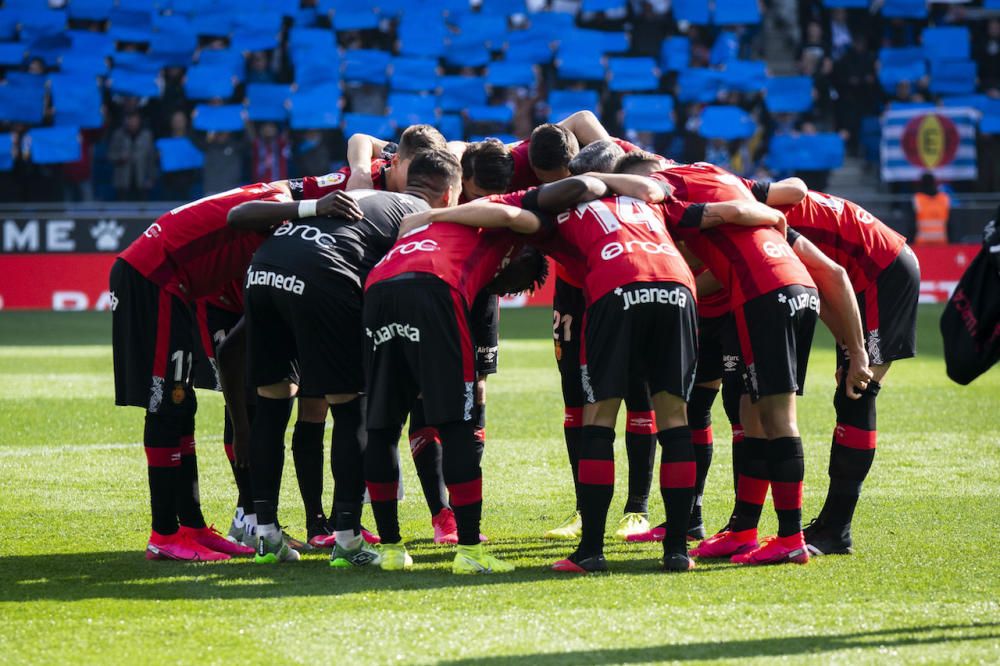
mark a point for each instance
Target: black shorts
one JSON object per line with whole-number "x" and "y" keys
{"x": 213, "y": 325}
{"x": 889, "y": 311}
{"x": 153, "y": 342}
{"x": 484, "y": 324}
{"x": 568, "y": 308}
{"x": 771, "y": 336}
{"x": 418, "y": 343}
{"x": 310, "y": 333}
{"x": 710, "y": 348}
{"x": 644, "y": 331}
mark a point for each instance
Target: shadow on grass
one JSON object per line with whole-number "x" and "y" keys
{"x": 895, "y": 637}
{"x": 127, "y": 575}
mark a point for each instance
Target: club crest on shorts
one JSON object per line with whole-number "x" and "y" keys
{"x": 178, "y": 394}
{"x": 558, "y": 351}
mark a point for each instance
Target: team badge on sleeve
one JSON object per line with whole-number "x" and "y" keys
{"x": 330, "y": 179}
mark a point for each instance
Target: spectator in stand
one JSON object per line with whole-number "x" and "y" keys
{"x": 259, "y": 69}
{"x": 648, "y": 30}
{"x": 931, "y": 208}
{"x": 840, "y": 34}
{"x": 312, "y": 155}
{"x": 179, "y": 185}
{"x": 78, "y": 176}
{"x": 857, "y": 87}
{"x": 270, "y": 153}
{"x": 225, "y": 160}
{"x": 133, "y": 155}
{"x": 987, "y": 54}
{"x": 172, "y": 100}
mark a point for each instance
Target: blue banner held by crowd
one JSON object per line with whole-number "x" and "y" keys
{"x": 178, "y": 154}
{"x": 54, "y": 145}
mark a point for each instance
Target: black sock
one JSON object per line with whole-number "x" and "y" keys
{"x": 573, "y": 432}
{"x": 241, "y": 475}
{"x": 785, "y": 470}
{"x": 188, "y": 494}
{"x": 307, "y": 454}
{"x": 597, "y": 486}
{"x": 851, "y": 454}
{"x": 347, "y": 458}
{"x": 699, "y": 413}
{"x": 462, "y": 455}
{"x": 731, "y": 393}
{"x": 381, "y": 465}
{"x": 640, "y": 447}
{"x": 677, "y": 478}
{"x": 267, "y": 455}
{"x": 163, "y": 459}
{"x": 751, "y": 489}
{"x": 425, "y": 447}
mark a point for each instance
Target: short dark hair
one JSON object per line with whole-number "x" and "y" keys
{"x": 634, "y": 158}
{"x": 435, "y": 171}
{"x": 419, "y": 137}
{"x": 598, "y": 156}
{"x": 489, "y": 164}
{"x": 552, "y": 147}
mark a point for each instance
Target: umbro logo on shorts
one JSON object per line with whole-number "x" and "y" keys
{"x": 730, "y": 362}
{"x": 390, "y": 331}
{"x": 662, "y": 295}
{"x": 263, "y": 278}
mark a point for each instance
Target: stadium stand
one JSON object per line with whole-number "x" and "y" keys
{"x": 690, "y": 81}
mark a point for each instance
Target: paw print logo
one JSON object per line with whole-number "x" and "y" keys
{"x": 107, "y": 234}
{"x": 782, "y": 298}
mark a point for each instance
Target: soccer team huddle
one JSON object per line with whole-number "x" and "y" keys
{"x": 371, "y": 294}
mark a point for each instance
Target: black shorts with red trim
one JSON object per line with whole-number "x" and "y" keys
{"x": 568, "y": 308}
{"x": 710, "y": 348}
{"x": 213, "y": 325}
{"x": 889, "y": 311}
{"x": 643, "y": 331}
{"x": 153, "y": 344}
{"x": 309, "y": 333}
{"x": 418, "y": 343}
{"x": 771, "y": 336}
{"x": 484, "y": 324}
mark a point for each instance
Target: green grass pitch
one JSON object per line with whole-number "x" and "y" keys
{"x": 924, "y": 586}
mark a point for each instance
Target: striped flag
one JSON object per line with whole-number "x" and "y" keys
{"x": 937, "y": 139}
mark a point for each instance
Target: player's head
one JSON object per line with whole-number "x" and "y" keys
{"x": 598, "y": 156}
{"x": 487, "y": 167}
{"x": 436, "y": 176}
{"x": 414, "y": 139}
{"x": 550, "y": 150}
{"x": 640, "y": 163}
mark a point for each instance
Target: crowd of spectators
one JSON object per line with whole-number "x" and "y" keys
{"x": 195, "y": 98}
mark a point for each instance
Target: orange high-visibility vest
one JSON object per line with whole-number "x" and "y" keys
{"x": 932, "y": 218}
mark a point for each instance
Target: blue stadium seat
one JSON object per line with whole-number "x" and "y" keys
{"x": 789, "y": 94}
{"x": 726, "y": 122}
{"x": 725, "y": 48}
{"x": 490, "y": 114}
{"x": 76, "y": 100}
{"x": 583, "y": 67}
{"x": 225, "y": 118}
{"x": 363, "y": 123}
{"x": 991, "y": 4}
{"x": 208, "y": 82}
{"x": 696, "y": 84}
{"x": 563, "y": 103}
{"x": 675, "y": 53}
{"x": 953, "y": 77}
{"x": 366, "y": 66}
{"x": 123, "y": 81}
{"x": 268, "y": 101}
{"x": 55, "y": 145}
{"x": 900, "y": 56}
{"x": 316, "y": 107}
{"x": 409, "y": 109}
{"x": 648, "y": 113}
{"x": 910, "y": 9}
{"x": 90, "y": 10}
{"x": 632, "y": 74}
{"x": 458, "y": 92}
{"x": 946, "y": 43}
{"x": 450, "y": 125}
{"x": 414, "y": 74}
{"x": 510, "y": 74}
{"x": 12, "y": 53}
{"x": 748, "y": 76}
{"x": 21, "y": 103}
{"x": 692, "y": 11}
{"x": 890, "y": 75}
{"x": 179, "y": 154}
{"x": 735, "y": 12}
{"x": 806, "y": 152}
{"x": 531, "y": 46}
